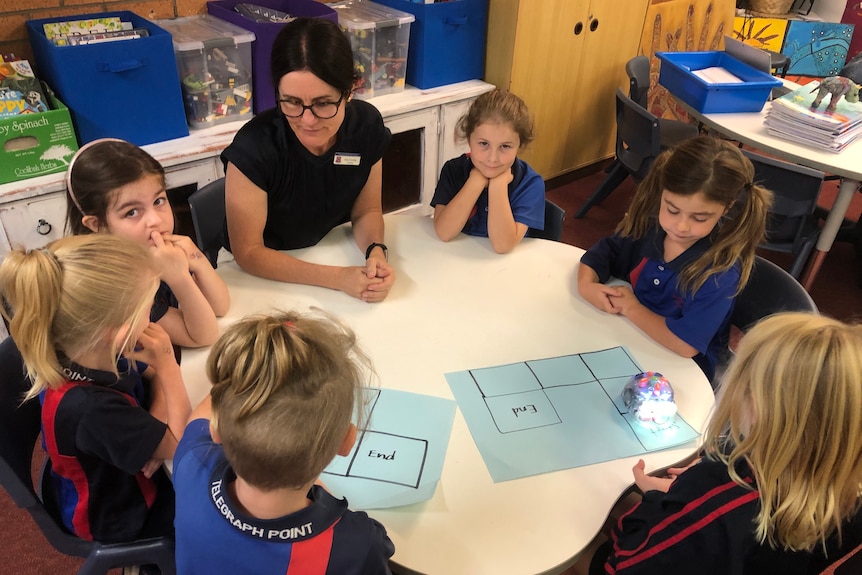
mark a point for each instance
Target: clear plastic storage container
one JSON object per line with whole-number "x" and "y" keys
{"x": 214, "y": 62}
{"x": 380, "y": 38}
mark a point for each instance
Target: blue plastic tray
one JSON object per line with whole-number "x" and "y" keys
{"x": 709, "y": 98}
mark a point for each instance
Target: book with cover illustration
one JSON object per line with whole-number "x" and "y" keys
{"x": 796, "y": 106}
{"x": 20, "y": 91}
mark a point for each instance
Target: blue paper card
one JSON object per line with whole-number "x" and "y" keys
{"x": 398, "y": 458}
{"x": 542, "y": 415}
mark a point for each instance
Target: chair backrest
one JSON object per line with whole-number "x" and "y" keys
{"x": 769, "y": 290}
{"x": 639, "y": 80}
{"x": 795, "y": 191}
{"x": 208, "y": 218}
{"x": 554, "y": 218}
{"x": 638, "y": 136}
{"x": 20, "y": 425}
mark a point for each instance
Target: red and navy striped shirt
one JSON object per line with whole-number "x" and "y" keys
{"x": 98, "y": 439}
{"x": 704, "y": 525}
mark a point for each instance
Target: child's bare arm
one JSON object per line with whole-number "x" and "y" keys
{"x": 169, "y": 391}
{"x": 651, "y": 323}
{"x": 503, "y": 231}
{"x": 449, "y": 220}
{"x": 194, "y": 323}
{"x": 207, "y": 279}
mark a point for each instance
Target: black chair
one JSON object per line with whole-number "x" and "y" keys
{"x": 554, "y": 218}
{"x": 769, "y": 290}
{"x": 20, "y": 426}
{"x": 208, "y": 218}
{"x": 670, "y": 133}
{"x": 793, "y": 224}
{"x": 638, "y": 144}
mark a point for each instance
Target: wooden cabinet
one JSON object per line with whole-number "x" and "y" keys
{"x": 565, "y": 58}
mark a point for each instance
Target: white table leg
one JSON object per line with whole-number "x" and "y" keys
{"x": 846, "y": 190}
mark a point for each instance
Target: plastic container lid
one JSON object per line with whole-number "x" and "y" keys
{"x": 198, "y": 32}
{"x": 364, "y": 15}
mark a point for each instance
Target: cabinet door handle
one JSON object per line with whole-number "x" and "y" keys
{"x": 594, "y": 23}
{"x": 579, "y": 27}
{"x": 43, "y": 228}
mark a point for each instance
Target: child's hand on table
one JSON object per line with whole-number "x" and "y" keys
{"x": 600, "y": 296}
{"x": 650, "y": 483}
{"x": 624, "y": 300}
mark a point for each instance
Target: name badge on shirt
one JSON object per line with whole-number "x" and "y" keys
{"x": 346, "y": 159}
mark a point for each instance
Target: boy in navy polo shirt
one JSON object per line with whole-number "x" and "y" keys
{"x": 246, "y": 471}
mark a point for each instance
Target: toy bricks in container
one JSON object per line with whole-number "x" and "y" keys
{"x": 214, "y": 60}
{"x": 380, "y": 38}
{"x": 123, "y": 89}
{"x": 447, "y": 41}
{"x": 263, "y": 95}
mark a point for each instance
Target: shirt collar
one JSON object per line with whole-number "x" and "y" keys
{"x": 304, "y": 524}
{"x": 654, "y": 247}
{"x": 125, "y": 383}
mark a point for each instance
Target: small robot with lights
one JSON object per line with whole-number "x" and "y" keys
{"x": 648, "y": 396}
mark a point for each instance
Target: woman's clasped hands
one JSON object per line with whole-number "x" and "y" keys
{"x": 370, "y": 283}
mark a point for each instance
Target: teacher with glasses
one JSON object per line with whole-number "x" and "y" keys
{"x": 310, "y": 164}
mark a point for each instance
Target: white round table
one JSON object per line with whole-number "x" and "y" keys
{"x": 458, "y": 306}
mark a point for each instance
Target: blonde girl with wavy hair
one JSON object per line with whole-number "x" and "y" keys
{"x": 285, "y": 389}
{"x": 779, "y": 489}
{"x": 80, "y": 318}
{"x": 685, "y": 247}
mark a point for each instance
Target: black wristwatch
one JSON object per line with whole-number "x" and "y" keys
{"x": 377, "y": 245}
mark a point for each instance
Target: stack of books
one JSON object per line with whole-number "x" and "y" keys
{"x": 791, "y": 117}
{"x": 92, "y": 31}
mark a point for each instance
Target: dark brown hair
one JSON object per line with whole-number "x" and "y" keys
{"x": 720, "y": 171}
{"x": 316, "y": 45}
{"x": 97, "y": 171}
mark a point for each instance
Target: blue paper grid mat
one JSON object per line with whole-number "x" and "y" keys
{"x": 398, "y": 458}
{"x": 548, "y": 414}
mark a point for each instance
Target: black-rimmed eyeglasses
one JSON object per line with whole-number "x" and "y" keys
{"x": 322, "y": 110}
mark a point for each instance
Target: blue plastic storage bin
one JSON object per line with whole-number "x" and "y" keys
{"x": 447, "y": 42}
{"x": 263, "y": 93}
{"x": 709, "y": 98}
{"x": 128, "y": 89}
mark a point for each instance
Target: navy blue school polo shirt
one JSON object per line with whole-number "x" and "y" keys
{"x": 98, "y": 439}
{"x": 701, "y": 319}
